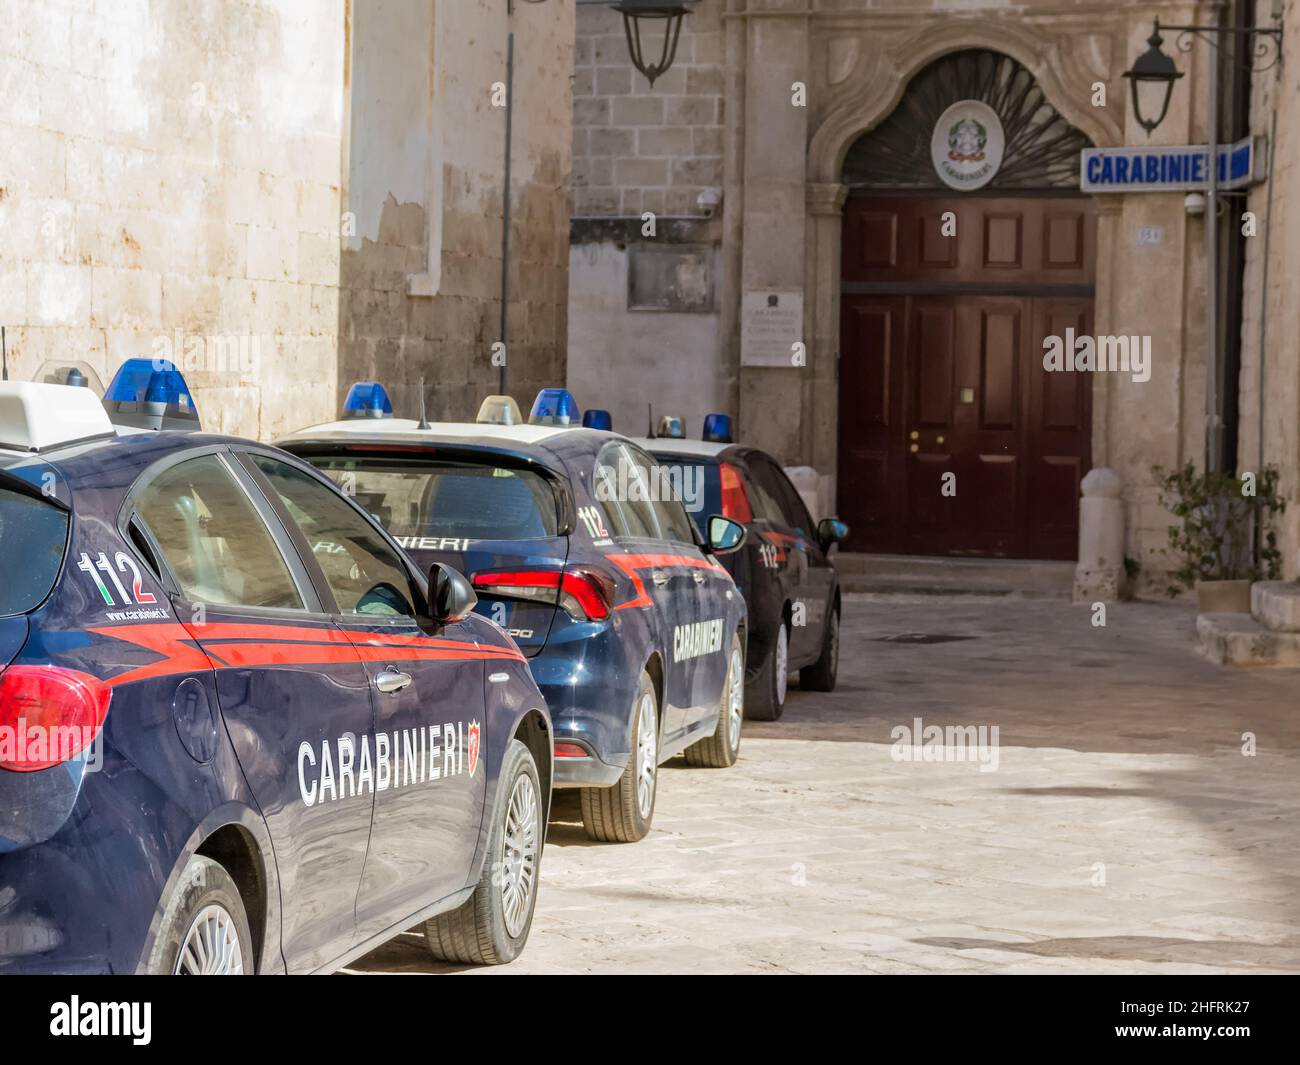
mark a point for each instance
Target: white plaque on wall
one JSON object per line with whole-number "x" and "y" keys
{"x": 771, "y": 324}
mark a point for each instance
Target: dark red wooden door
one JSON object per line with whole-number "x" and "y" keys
{"x": 953, "y": 439}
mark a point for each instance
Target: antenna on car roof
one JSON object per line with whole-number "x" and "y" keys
{"x": 4, "y": 355}
{"x": 424, "y": 421}
{"x": 650, "y": 421}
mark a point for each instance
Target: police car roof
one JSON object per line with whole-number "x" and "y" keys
{"x": 36, "y": 417}
{"x": 674, "y": 445}
{"x": 407, "y": 431}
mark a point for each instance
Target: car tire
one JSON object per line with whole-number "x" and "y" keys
{"x": 492, "y": 925}
{"x": 820, "y": 676}
{"x": 204, "y": 930}
{"x": 765, "y": 697}
{"x": 721, "y": 750}
{"x": 623, "y": 813}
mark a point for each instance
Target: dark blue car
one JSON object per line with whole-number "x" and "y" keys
{"x": 785, "y": 571}
{"x": 633, "y": 628}
{"x": 239, "y": 731}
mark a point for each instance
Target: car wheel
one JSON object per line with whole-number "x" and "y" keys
{"x": 491, "y": 926}
{"x": 722, "y": 748}
{"x": 204, "y": 930}
{"x": 765, "y": 698}
{"x": 622, "y": 814}
{"x": 820, "y": 676}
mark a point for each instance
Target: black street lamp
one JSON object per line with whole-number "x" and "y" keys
{"x": 1153, "y": 74}
{"x": 637, "y": 15}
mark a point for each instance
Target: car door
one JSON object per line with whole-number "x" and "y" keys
{"x": 659, "y": 573}
{"x": 811, "y": 570}
{"x": 785, "y": 547}
{"x": 706, "y": 644}
{"x": 428, "y": 691}
{"x": 814, "y": 571}
{"x": 292, "y": 690}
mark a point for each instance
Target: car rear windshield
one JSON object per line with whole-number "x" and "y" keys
{"x": 33, "y": 536}
{"x": 462, "y": 500}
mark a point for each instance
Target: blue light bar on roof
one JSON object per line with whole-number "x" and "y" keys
{"x": 150, "y": 394}
{"x": 597, "y": 419}
{"x": 555, "y": 406}
{"x": 367, "y": 399}
{"x": 717, "y": 428}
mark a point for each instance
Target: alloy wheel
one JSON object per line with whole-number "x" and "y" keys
{"x": 519, "y": 855}
{"x": 211, "y": 946}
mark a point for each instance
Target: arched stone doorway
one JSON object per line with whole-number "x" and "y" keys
{"x": 951, "y": 437}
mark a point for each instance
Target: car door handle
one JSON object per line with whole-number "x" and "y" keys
{"x": 392, "y": 680}
{"x": 660, "y": 578}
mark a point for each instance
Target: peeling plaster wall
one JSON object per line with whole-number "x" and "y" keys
{"x": 421, "y": 276}
{"x": 640, "y": 148}
{"x": 169, "y": 187}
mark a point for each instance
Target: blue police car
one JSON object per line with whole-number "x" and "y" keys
{"x": 633, "y": 628}
{"x": 239, "y": 732}
{"x": 785, "y": 571}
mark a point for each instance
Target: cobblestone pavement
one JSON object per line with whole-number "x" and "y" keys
{"x": 1123, "y": 830}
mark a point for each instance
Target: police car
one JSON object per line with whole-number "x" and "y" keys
{"x": 784, "y": 571}
{"x": 631, "y": 624}
{"x": 239, "y": 732}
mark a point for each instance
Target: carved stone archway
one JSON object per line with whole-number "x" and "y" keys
{"x": 869, "y": 83}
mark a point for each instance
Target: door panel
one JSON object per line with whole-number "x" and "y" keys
{"x": 941, "y": 373}
{"x": 424, "y": 772}
{"x": 872, "y": 478}
{"x": 292, "y": 692}
{"x": 426, "y": 820}
{"x": 1060, "y": 419}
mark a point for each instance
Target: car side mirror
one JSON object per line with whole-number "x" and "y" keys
{"x": 451, "y": 596}
{"x": 725, "y": 535}
{"x": 830, "y": 531}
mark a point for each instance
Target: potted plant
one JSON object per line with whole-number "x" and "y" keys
{"x": 1225, "y": 539}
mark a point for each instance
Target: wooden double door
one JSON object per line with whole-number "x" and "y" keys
{"x": 953, "y": 439}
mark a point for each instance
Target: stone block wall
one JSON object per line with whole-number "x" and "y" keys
{"x": 169, "y": 187}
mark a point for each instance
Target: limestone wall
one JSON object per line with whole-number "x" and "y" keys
{"x": 169, "y": 186}
{"x": 421, "y": 273}
{"x": 1278, "y": 299}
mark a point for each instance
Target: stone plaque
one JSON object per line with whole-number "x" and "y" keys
{"x": 771, "y": 324}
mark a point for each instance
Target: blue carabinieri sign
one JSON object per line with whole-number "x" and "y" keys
{"x": 1166, "y": 169}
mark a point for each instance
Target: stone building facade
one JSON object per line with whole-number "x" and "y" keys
{"x": 813, "y": 226}
{"x": 282, "y": 196}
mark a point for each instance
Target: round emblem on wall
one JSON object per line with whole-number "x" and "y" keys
{"x": 967, "y": 145}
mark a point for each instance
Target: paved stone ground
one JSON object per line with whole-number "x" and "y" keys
{"x": 1123, "y": 830}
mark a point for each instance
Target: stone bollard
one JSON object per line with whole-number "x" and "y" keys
{"x": 1099, "y": 575}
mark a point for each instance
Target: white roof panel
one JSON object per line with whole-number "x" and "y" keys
{"x": 703, "y": 448}
{"x": 34, "y": 417}
{"x": 409, "y": 429}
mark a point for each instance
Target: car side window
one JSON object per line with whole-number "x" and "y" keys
{"x": 364, "y": 573}
{"x": 214, "y": 539}
{"x": 621, "y": 483}
{"x": 670, "y": 512}
{"x": 797, "y": 516}
{"x": 764, "y": 494}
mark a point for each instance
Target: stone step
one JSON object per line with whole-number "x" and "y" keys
{"x": 1240, "y": 640}
{"x": 927, "y": 575}
{"x": 1276, "y": 605}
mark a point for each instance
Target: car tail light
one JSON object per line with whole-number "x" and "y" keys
{"x": 48, "y": 715}
{"x": 585, "y": 594}
{"x": 570, "y": 750}
{"x": 735, "y": 501}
